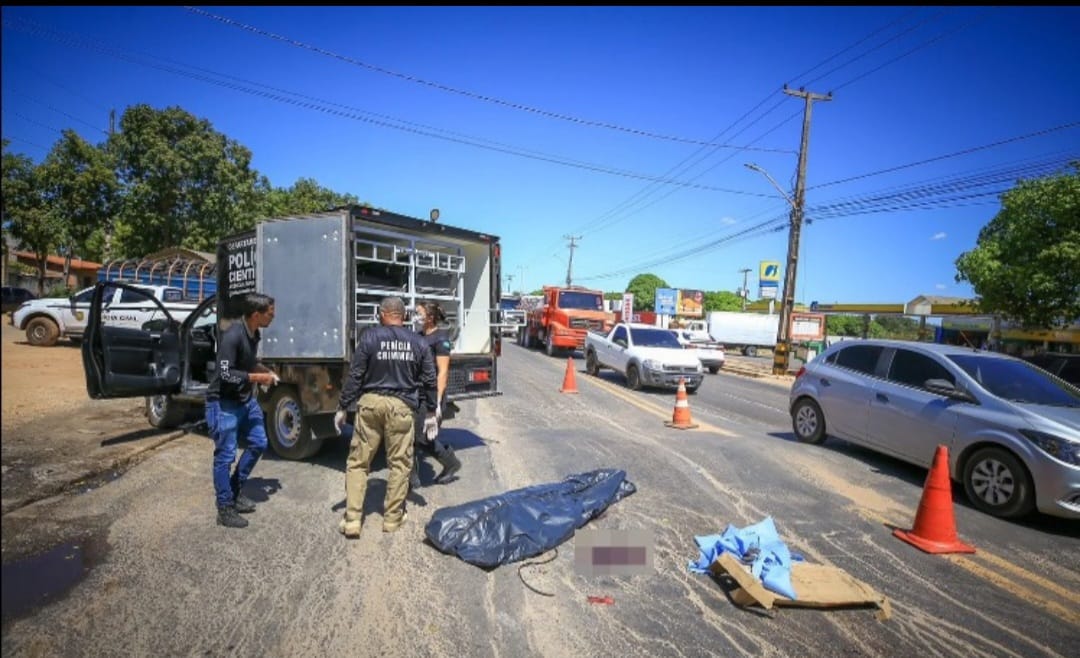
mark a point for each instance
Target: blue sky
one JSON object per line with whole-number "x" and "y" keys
{"x": 628, "y": 127}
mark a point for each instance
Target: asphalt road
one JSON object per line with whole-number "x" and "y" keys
{"x": 161, "y": 578}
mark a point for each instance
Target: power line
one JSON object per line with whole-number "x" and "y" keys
{"x": 35, "y": 122}
{"x": 42, "y": 76}
{"x": 910, "y": 198}
{"x": 44, "y": 104}
{"x": 956, "y": 154}
{"x": 600, "y": 223}
{"x": 913, "y": 51}
{"x": 26, "y": 141}
{"x": 469, "y": 94}
{"x": 328, "y": 107}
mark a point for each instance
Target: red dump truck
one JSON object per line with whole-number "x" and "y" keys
{"x": 562, "y": 318}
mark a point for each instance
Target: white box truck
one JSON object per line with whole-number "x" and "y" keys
{"x": 744, "y": 331}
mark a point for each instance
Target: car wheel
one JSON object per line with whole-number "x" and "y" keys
{"x": 164, "y": 412}
{"x": 750, "y": 351}
{"x": 592, "y": 366}
{"x": 633, "y": 378}
{"x": 714, "y": 369}
{"x": 42, "y": 332}
{"x": 808, "y": 422}
{"x": 286, "y": 427}
{"x": 997, "y": 483}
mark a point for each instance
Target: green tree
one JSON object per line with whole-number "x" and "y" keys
{"x": 304, "y": 196}
{"x": 81, "y": 190}
{"x": 1026, "y": 262}
{"x": 643, "y": 287}
{"x": 613, "y": 295}
{"x": 25, "y": 211}
{"x": 183, "y": 183}
{"x": 722, "y": 300}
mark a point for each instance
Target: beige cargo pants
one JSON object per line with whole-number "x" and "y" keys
{"x": 380, "y": 417}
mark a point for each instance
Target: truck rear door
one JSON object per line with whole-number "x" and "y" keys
{"x": 120, "y": 360}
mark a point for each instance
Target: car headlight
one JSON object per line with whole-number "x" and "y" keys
{"x": 1055, "y": 446}
{"x": 652, "y": 364}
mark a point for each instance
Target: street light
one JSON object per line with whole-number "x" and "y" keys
{"x": 782, "y": 354}
{"x": 751, "y": 165}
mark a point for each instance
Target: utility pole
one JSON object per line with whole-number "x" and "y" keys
{"x": 745, "y": 291}
{"x": 570, "y": 265}
{"x": 521, "y": 279}
{"x": 509, "y": 283}
{"x": 782, "y": 353}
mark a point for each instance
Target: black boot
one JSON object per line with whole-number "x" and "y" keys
{"x": 228, "y": 517}
{"x": 450, "y": 463}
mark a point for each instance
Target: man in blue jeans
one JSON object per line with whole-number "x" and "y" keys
{"x": 232, "y": 410}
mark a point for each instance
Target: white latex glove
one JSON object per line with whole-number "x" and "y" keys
{"x": 339, "y": 421}
{"x": 277, "y": 380}
{"x": 431, "y": 427}
{"x": 438, "y": 412}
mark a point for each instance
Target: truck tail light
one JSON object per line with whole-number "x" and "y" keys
{"x": 479, "y": 376}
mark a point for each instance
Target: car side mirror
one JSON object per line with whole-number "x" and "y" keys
{"x": 945, "y": 388}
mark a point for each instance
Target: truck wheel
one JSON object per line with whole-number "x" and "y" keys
{"x": 633, "y": 378}
{"x": 164, "y": 412}
{"x": 549, "y": 347}
{"x": 997, "y": 483}
{"x": 42, "y": 332}
{"x": 714, "y": 369}
{"x": 592, "y": 366}
{"x": 286, "y": 428}
{"x": 750, "y": 350}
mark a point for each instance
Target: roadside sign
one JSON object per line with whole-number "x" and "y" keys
{"x": 627, "y": 306}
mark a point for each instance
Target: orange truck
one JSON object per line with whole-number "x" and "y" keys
{"x": 563, "y": 317}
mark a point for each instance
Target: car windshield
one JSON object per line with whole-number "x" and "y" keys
{"x": 586, "y": 301}
{"x": 1017, "y": 381}
{"x": 509, "y": 304}
{"x": 654, "y": 338}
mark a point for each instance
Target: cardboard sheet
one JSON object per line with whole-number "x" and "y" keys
{"x": 816, "y": 585}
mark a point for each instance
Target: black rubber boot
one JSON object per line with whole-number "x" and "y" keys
{"x": 228, "y": 517}
{"x": 449, "y": 461}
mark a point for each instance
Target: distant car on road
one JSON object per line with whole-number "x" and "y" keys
{"x": 1065, "y": 366}
{"x": 14, "y": 297}
{"x": 1013, "y": 433}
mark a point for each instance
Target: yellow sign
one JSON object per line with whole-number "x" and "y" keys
{"x": 769, "y": 272}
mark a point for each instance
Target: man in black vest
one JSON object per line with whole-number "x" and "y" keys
{"x": 392, "y": 375}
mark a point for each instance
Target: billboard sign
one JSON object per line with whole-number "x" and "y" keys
{"x": 768, "y": 279}
{"x": 666, "y": 300}
{"x": 691, "y": 304}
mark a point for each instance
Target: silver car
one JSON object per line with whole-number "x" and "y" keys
{"x": 1012, "y": 430}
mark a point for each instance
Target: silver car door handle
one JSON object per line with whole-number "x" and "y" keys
{"x": 882, "y": 398}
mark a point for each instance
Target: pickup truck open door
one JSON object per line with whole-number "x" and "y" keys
{"x": 121, "y": 360}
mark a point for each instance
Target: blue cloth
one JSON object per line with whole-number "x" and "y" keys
{"x": 771, "y": 557}
{"x": 230, "y": 423}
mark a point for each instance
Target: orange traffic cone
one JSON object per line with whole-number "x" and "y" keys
{"x": 569, "y": 384}
{"x": 935, "y": 526}
{"x": 680, "y": 419}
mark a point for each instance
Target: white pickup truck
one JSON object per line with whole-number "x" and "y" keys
{"x": 47, "y": 320}
{"x": 647, "y": 355}
{"x": 710, "y": 352}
